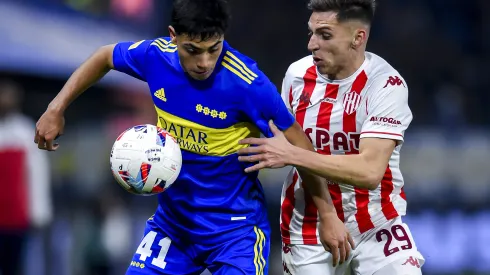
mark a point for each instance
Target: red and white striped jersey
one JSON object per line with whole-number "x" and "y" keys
{"x": 335, "y": 115}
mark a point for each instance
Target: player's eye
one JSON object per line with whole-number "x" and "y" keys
{"x": 213, "y": 50}
{"x": 326, "y": 36}
{"x": 191, "y": 50}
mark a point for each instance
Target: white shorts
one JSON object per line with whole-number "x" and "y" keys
{"x": 388, "y": 249}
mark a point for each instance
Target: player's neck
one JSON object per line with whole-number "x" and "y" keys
{"x": 350, "y": 68}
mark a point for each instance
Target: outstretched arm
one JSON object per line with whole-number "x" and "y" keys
{"x": 127, "y": 57}
{"x": 363, "y": 170}
{"x": 91, "y": 71}
{"x": 52, "y": 122}
{"x": 384, "y": 128}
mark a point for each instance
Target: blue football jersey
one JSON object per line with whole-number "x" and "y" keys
{"x": 213, "y": 199}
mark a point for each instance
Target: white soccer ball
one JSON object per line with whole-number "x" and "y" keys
{"x": 145, "y": 160}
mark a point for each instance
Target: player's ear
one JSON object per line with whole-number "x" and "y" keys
{"x": 359, "y": 38}
{"x": 173, "y": 34}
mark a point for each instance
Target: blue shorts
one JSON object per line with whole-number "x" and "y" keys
{"x": 158, "y": 255}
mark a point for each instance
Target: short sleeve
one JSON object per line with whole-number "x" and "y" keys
{"x": 388, "y": 113}
{"x": 286, "y": 92}
{"x": 131, "y": 58}
{"x": 264, "y": 104}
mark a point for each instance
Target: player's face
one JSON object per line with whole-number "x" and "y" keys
{"x": 198, "y": 57}
{"x": 331, "y": 42}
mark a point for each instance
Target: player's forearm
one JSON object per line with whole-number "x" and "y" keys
{"x": 317, "y": 188}
{"x": 348, "y": 169}
{"x": 314, "y": 185}
{"x": 91, "y": 71}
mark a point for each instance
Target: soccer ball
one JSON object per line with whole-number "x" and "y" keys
{"x": 145, "y": 160}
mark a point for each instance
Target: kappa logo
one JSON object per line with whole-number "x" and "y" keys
{"x": 394, "y": 81}
{"x": 305, "y": 98}
{"x": 412, "y": 261}
{"x": 286, "y": 249}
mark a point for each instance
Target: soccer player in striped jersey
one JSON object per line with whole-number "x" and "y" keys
{"x": 353, "y": 106}
{"x": 208, "y": 96}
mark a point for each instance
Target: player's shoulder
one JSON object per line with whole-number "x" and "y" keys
{"x": 162, "y": 45}
{"x": 380, "y": 72}
{"x": 161, "y": 49}
{"x": 299, "y": 68}
{"x": 241, "y": 70}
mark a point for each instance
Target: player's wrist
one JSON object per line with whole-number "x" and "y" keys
{"x": 294, "y": 156}
{"x": 327, "y": 214}
{"x": 56, "y": 108}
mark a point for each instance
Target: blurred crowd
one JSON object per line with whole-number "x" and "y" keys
{"x": 77, "y": 220}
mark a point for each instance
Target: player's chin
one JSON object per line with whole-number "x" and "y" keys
{"x": 324, "y": 70}
{"x": 201, "y": 75}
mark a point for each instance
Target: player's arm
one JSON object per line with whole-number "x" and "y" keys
{"x": 314, "y": 185}
{"x": 271, "y": 107}
{"x": 333, "y": 234}
{"x": 364, "y": 170}
{"x": 384, "y": 128}
{"x": 91, "y": 71}
{"x": 126, "y": 57}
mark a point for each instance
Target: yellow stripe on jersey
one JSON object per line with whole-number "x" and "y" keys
{"x": 262, "y": 252}
{"x": 228, "y": 53}
{"x": 164, "y": 45}
{"x": 203, "y": 140}
{"x": 226, "y": 65}
{"x": 259, "y": 260}
{"x": 236, "y": 66}
{"x": 135, "y": 45}
{"x": 227, "y": 59}
{"x": 161, "y": 40}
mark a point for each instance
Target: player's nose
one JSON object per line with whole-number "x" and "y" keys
{"x": 203, "y": 66}
{"x": 313, "y": 44}
{"x": 204, "y": 63}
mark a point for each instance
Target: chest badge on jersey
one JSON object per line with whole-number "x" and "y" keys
{"x": 351, "y": 102}
{"x": 208, "y": 112}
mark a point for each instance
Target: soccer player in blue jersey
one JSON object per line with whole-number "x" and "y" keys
{"x": 208, "y": 96}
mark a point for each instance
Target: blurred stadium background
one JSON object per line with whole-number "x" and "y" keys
{"x": 439, "y": 46}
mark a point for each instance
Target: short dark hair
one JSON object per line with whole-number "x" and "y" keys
{"x": 362, "y": 10}
{"x": 201, "y": 19}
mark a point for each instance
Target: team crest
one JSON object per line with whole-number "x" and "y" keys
{"x": 351, "y": 102}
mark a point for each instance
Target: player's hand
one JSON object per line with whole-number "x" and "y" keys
{"x": 271, "y": 152}
{"x": 49, "y": 127}
{"x": 335, "y": 238}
